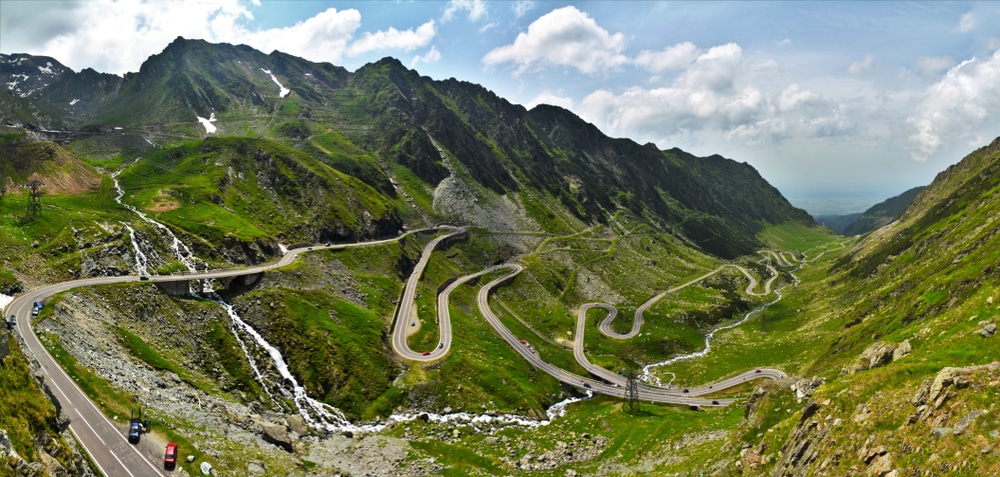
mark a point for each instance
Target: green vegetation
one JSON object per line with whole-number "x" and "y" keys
{"x": 354, "y": 156}
{"x": 25, "y": 412}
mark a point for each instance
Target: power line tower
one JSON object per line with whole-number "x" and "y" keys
{"x": 34, "y": 187}
{"x": 631, "y": 391}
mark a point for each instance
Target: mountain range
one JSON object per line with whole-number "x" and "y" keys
{"x": 887, "y": 336}
{"x": 432, "y": 129}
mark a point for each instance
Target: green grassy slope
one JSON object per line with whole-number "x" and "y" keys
{"x": 244, "y": 189}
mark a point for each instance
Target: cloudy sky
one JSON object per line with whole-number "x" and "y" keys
{"x": 839, "y": 105}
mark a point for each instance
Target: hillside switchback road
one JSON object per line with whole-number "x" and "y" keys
{"x": 106, "y": 441}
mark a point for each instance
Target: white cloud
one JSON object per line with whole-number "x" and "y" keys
{"x": 487, "y": 27}
{"x": 432, "y": 56}
{"x": 675, "y": 57}
{"x": 553, "y": 98}
{"x": 117, "y": 36}
{"x": 785, "y": 42}
{"x": 966, "y": 23}
{"x": 563, "y": 37}
{"x": 956, "y": 107}
{"x": 475, "y": 8}
{"x": 97, "y": 37}
{"x": 932, "y": 65}
{"x": 521, "y": 7}
{"x": 393, "y": 39}
{"x": 864, "y": 67}
{"x": 720, "y": 93}
{"x": 793, "y": 97}
{"x": 323, "y": 37}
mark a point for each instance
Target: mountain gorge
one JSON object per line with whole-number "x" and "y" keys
{"x": 216, "y": 156}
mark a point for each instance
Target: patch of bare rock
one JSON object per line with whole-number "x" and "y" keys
{"x": 877, "y": 355}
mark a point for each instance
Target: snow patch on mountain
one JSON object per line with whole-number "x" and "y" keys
{"x": 209, "y": 127}
{"x": 13, "y": 84}
{"x": 282, "y": 90}
{"x": 75, "y": 100}
{"x": 47, "y": 69}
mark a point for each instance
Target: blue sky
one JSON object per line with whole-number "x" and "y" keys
{"x": 838, "y": 104}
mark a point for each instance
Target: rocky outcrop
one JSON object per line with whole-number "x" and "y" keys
{"x": 877, "y": 355}
{"x": 878, "y": 460}
{"x": 801, "y": 450}
{"x": 6, "y": 447}
{"x": 804, "y": 387}
{"x": 578, "y": 448}
{"x": 987, "y": 329}
{"x": 934, "y": 392}
{"x": 278, "y": 435}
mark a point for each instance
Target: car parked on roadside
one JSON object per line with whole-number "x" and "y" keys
{"x": 134, "y": 429}
{"x": 170, "y": 457}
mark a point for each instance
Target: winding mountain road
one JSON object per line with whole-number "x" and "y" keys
{"x": 605, "y": 325}
{"x": 103, "y": 439}
{"x": 106, "y": 442}
{"x": 609, "y": 383}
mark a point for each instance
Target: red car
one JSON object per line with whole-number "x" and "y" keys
{"x": 757, "y": 371}
{"x": 170, "y": 458}
{"x": 426, "y": 353}
{"x": 523, "y": 342}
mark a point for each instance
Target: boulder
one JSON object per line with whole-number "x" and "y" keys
{"x": 804, "y": 387}
{"x": 278, "y": 435}
{"x": 881, "y": 465}
{"x": 256, "y": 468}
{"x": 902, "y": 350}
{"x": 878, "y": 354}
{"x": 206, "y": 468}
{"x": 298, "y": 425}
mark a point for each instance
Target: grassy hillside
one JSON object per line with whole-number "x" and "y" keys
{"x": 223, "y": 191}
{"x": 30, "y": 420}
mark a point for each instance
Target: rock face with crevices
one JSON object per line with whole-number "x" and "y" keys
{"x": 803, "y": 446}
{"x": 934, "y": 392}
